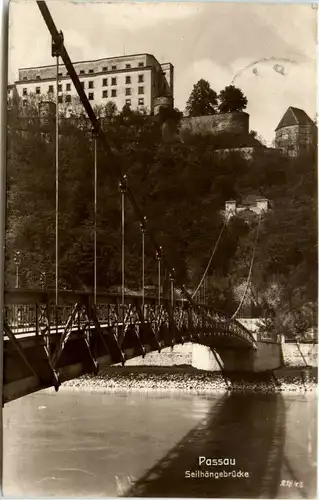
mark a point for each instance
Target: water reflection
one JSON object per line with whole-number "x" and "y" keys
{"x": 244, "y": 429}
{"x": 82, "y": 444}
{"x": 250, "y": 430}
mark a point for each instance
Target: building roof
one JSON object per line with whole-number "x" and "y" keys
{"x": 127, "y": 56}
{"x": 252, "y": 199}
{"x": 247, "y": 214}
{"x": 294, "y": 116}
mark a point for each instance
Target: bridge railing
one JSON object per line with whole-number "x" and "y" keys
{"x": 33, "y": 312}
{"x": 27, "y": 311}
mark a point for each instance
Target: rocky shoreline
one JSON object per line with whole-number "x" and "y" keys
{"x": 186, "y": 379}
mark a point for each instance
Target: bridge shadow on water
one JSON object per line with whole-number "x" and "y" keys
{"x": 249, "y": 429}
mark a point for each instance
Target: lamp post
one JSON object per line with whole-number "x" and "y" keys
{"x": 43, "y": 280}
{"x": 17, "y": 261}
{"x": 172, "y": 279}
{"x": 159, "y": 258}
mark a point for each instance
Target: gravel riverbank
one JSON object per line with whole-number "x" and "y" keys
{"x": 187, "y": 379}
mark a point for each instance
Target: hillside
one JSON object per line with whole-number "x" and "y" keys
{"x": 182, "y": 187}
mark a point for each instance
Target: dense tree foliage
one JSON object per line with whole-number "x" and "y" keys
{"x": 182, "y": 188}
{"x": 231, "y": 99}
{"x": 203, "y": 99}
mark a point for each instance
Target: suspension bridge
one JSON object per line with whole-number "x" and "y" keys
{"x": 51, "y": 336}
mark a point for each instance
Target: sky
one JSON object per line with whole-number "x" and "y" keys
{"x": 268, "y": 50}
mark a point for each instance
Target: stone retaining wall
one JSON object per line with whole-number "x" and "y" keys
{"x": 299, "y": 355}
{"x": 201, "y": 357}
{"x": 180, "y": 355}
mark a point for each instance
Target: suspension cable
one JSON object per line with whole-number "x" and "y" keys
{"x": 143, "y": 230}
{"x": 57, "y": 192}
{"x": 250, "y": 271}
{"x": 123, "y": 188}
{"x": 95, "y": 210}
{"x": 211, "y": 258}
{"x": 159, "y": 258}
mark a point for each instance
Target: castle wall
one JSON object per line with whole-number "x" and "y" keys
{"x": 234, "y": 123}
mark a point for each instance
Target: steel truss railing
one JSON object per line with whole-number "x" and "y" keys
{"x": 146, "y": 324}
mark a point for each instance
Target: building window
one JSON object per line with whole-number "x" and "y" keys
{"x": 128, "y": 101}
{"x": 25, "y": 78}
{"x": 141, "y": 101}
{"x": 38, "y": 77}
{"x": 113, "y": 67}
{"x": 128, "y": 91}
{"x": 82, "y": 71}
{"x": 113, "y": 81}
{"x": 104, "y": 68}
{"x": 140, "y": 64}
{"x": 24, "y": 92}
{"x": 141, "y": 90}
{"x": 141, "y": 78}
{"x": 60, "y": 74}
{"x": 91, "y": 70}
{"x": 68, "y": 86}
{"x": 67, "y": 98}
{"x": 59, "y": 87}
{"x": 104, "y": 82}
{"x": 104, "y": 94}
{"x": 51, "y": 89}
{"x": 38, "y": 90}
{"x": 60, "y": 99}
{"x": 127, "y": 66}
{"x": 113, "y": 92}
{"x": 91, "y": 96}
{"x": 127, "y": 79}
{"x": 82, "y": 85}
{"x": 91, "y": 85}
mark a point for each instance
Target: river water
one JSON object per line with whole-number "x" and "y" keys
{"x": 90, "y": 444}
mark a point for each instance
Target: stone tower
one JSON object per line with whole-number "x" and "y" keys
{"x": 296, "y": 132}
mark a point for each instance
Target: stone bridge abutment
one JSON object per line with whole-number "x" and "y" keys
{"x": 267, "y": 356}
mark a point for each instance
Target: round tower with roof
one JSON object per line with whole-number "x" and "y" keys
{"x": 296, "y": 132}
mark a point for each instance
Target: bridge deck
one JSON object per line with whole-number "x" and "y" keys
{"x": 45, "y": 345}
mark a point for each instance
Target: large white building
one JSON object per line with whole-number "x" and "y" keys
{"x": 136, "y": 80}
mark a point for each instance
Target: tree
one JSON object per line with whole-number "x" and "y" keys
{"x": 203, "y": 100}
{"x": 110, "y": 109}
{"x": 231, "y": 99}
{"x": 126, "y": 110}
